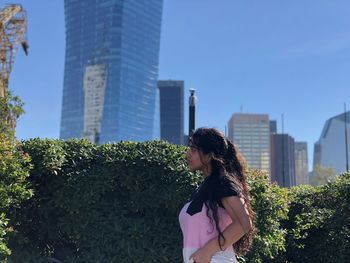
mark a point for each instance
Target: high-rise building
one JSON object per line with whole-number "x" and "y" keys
{"x": 251, "y": 134}
{"x": 172, "y": 111}
{"x": 330, "y": 149}
{"x": 273, "y": 126}
{"x": 301, "y": 163}
{"x": 111, "y": 67}
{"x": 283, "y": 160}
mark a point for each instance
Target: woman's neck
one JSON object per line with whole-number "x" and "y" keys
{"x": 206, "y": 171}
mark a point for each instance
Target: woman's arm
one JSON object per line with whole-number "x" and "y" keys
{"x": 241, "y": 224}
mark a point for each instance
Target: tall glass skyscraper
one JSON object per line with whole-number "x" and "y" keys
{"x": 111, "y": 69}
{"x": 282, "y": 154}
{"x": 330, "y": 150}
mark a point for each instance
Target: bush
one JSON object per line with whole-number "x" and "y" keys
{"x": 319, "y": 222}
{"x": 120, "y": 203}
{"x": 271, "y": 206}
{"x": 14, "y": 169}
{"x": 109, "y": 203}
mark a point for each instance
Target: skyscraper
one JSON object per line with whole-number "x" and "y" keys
{"x": 301, "y": 163}
{"x": 251, "y": 134}
{"x": 283, "y": 160}
{"x": 172, "y": 111}
{"x": 111, "y": 67}
{"x": 330, "y": 150}
{"x": 273, "y": 126}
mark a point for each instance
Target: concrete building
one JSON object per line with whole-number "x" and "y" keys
{"x": 251, "y": 134}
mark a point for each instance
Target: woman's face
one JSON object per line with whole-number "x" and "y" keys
{"x": 196, "y": 160}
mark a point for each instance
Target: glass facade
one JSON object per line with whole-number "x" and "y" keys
{"x": 283, "y": 160}
{"x": 111, "y": 70}
{"x": 301, "y": 163}
{"x": 330, "y": 150}
{"x": 172, "y": 111}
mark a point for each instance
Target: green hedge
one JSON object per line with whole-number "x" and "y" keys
{"x": 110, "y": 203}
{"x": 14, "y": 169}
{"x": 319, "y": 222}
{"x": 120, "y": 203}
{"x": 271, "y": 206}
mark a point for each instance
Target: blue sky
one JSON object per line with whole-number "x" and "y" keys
{"x": 274, "y": 57}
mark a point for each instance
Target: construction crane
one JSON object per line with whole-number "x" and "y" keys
{"x": 13, "y": 29}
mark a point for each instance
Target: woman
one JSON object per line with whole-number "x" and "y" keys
{"x": 218, "y": 219}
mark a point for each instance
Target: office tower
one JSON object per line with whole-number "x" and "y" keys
{"x": 273, "y": 126}
{"x": 171, "y": 111}
{"x": 330, "y": 150}
{"x": 283, "y": 160}
{"x": 251, "y": 134}
{"x": 111, "y": 67}
{"x": 301, "y": 163}
{"x": 186, "y": 139}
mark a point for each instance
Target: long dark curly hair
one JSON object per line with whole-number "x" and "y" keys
{"x": 226, "y": 162}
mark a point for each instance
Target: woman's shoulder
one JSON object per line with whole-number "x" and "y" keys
{"x": 226, "y": 187}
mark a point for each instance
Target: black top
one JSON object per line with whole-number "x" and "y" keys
{"x": 211, "y": 189}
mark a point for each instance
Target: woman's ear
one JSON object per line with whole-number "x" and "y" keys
{"x": 209, "y": 157}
